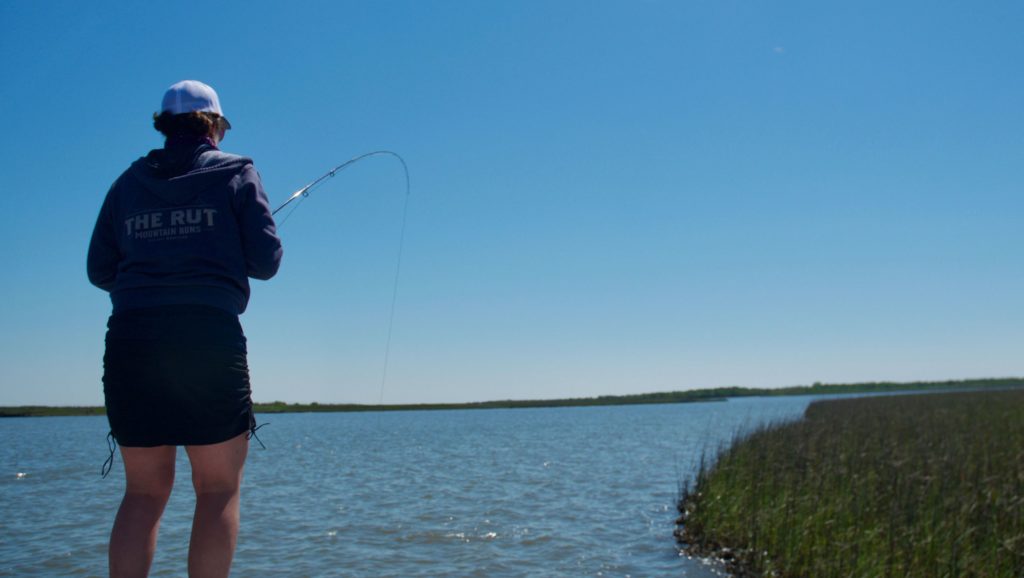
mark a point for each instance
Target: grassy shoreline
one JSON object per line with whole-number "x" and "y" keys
{"x": 689, "y": 396}
{"x": 895, "y": 486}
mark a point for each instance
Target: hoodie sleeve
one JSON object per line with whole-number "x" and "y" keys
{"x": 260, "y": 242}
{"x": 104, "y": 255}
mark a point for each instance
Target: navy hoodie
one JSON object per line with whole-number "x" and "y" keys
{"x": 186, "y": 224}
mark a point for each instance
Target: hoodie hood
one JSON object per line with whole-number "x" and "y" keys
{"x": 180, "y": 171}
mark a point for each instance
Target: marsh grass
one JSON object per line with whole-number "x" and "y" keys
{"x": 915, "y": 485}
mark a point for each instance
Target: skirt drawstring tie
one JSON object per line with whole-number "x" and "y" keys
{"x": 109, "y": 464}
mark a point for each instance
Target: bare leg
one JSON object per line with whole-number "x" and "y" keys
{"x": 149, "y": 474}
{"x": 217, "y": 478}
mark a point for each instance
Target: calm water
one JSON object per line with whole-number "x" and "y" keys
{"x": 528, "y": 492}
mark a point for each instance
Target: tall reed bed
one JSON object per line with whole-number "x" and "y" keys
{"x": 915, "y": 485}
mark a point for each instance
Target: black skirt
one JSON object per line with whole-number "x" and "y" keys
{"x": 176, "y": 375}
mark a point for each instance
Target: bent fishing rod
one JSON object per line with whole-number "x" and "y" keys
{"x": 304, "y": 192}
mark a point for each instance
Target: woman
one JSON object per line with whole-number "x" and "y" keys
{"x": 178, "y": 236}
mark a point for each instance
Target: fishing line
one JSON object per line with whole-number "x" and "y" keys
{"x": 288, "y": 215}
{"x": 303, "y": 193}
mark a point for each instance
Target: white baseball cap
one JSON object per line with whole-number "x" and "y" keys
{"x": 190, "y": 96}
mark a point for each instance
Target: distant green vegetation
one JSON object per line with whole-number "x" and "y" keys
{"x": 714, "y": 394}
{"x": 647, "y": 398}
{"x": 49, "y": 411}
{"x": 877, "y": 486}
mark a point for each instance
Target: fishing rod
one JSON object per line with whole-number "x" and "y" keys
{"x": 304, "y": 192}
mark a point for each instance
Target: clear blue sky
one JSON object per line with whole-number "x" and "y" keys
{"x": 607, "y": 197}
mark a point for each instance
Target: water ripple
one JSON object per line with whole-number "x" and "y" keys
{"x": 553, "y": 492}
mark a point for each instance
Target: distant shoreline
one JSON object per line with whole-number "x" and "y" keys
{"x": 690, "y": 396}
